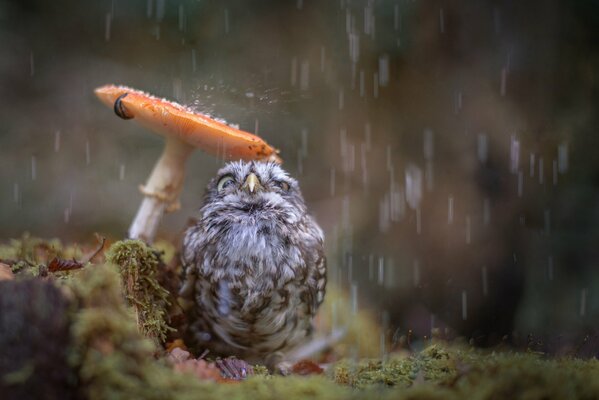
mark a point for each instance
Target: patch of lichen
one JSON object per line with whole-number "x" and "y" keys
{"x": 138, "y": 264}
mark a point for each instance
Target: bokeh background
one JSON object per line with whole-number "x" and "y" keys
{"x": 449, "y": 149}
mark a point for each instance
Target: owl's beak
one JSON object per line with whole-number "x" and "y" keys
{"x": 252, "y": 183}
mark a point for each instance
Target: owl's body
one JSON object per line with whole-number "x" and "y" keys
{"x": 255, "y": 271}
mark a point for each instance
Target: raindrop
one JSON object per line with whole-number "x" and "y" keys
{"x": 193, "y": 60}
{"x": 181, "y": 17}
{"x": 397, "y": 204}
{"x": 450, "y": 210}
{"x": 496, "y": 20}
{"x": 33, "y": 168}
{"x": 486, "y": 211}
{"x": 343, "y": 142}
{"x": 413, "y": 185}
{"x": 532, "y": 165}
{"x": 56, "y": 141}
{"x": 226, "y": 21}
{"x": 67, "y": 215}
{"x": 464, "y": 305}
{"x": 583, "y": 302}
{"x": 384, "y": 70}
{"x": 384, "y": 214}
{"x": 485, "y": 280}
{"x": 482, "y": 148}
{"x": 354, "y": 298}
{"x": 562, "y": 158}
{"x": 107, "y": 24}
{"x": 305, "y": 75}
{"x": 520, "y": 183}
{"x": 300, "y": 164}
{"x": 367, "y": 19}
{"x": 178, "y": 89}
{"x": 503, "y": 81}
{"x": 514, "y": 154}
{"x": 383, "y": 346}
{"x": 305, "y": 142}
{"x": 458, "y": 102}
{"x": 122, "y": 172}
{"x": 87, "y": 153}
{"x": 300, "y": 4}
{"x": 160, "y": 5}
{"x": 370, "y": 267}
{"x": 293, "y": 71}
{"x": 149, "y": 9}
{"x": 428, "y": 147}
{"x": 441, "y": 21}
{"x": 381, "y": 268}
{"x": 348, "y": 19}
{"x": 354, "y": 47}
{"x": 429, "y": 176}
{"x": 256, "y": 126}
{"x": 362, "y": 84}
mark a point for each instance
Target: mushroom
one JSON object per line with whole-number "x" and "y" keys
{"x": 184, "y": 130}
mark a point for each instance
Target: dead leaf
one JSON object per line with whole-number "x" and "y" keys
{"x": 306, "y": 367}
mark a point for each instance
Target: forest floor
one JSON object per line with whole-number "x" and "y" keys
{"x": 83, "y": 323}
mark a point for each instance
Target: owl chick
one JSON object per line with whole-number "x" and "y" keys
{"x": 254, "y": 265}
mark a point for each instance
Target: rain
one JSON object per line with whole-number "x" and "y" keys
{"x": 446, "y": 150}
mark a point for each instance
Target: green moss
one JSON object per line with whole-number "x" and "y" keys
{"x": 138, "y": 265}
{"x": 28, "y": 256}
{"x": 113, "y": 360}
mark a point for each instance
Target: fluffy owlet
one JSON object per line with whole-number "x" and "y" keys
{"x": 255, "y": 270}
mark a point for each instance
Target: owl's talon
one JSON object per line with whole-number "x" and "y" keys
{"x": 283, "y": 368}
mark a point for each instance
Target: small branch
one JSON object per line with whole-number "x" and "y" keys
{"x": 98, "y": 250}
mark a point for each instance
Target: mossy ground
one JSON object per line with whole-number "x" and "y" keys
{"x": 112, "y": 358}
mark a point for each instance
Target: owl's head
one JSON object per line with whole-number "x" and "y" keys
{"x": 260, "y": 190}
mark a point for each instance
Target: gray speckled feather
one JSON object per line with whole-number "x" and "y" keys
{"x": 255, "y": 269}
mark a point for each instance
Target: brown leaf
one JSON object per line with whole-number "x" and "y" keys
{"x": 306, "y": 367}
{"x": 60, "y": 264}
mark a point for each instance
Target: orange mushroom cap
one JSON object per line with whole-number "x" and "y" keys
{"x": 174, "y": 120}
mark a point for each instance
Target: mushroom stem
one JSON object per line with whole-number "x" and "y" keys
{"x": 161, "y": 192}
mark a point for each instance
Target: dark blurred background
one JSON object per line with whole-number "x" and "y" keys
{"x": 448, "y": 148}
